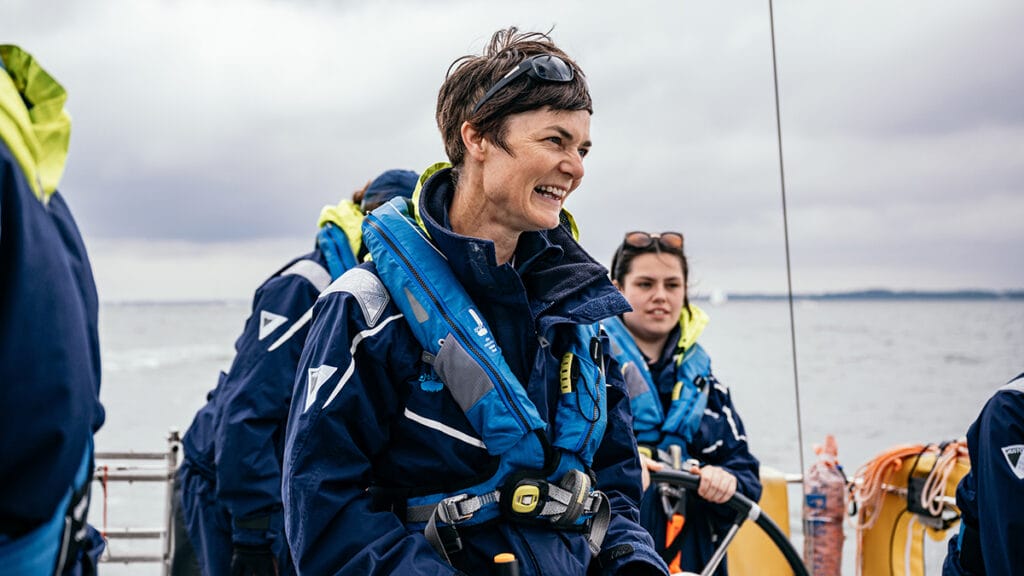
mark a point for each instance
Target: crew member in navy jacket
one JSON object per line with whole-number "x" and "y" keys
{"x": 454, "y": 400}
{"x": 230, "y": 478}
{"x": 991, "y": 495}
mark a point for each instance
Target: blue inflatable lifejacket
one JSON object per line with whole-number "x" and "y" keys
{"x": 653, "y": 427}
{"x": 528, "y": 485}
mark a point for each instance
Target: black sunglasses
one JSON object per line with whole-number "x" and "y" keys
{"x": 544, "y": 67}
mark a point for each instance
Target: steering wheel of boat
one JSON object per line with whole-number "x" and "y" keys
{"x": 745, "y": 510}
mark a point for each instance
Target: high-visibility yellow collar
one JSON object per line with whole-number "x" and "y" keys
{"x": 691, "y": 325}
{"x": 33, "y": 122}
{"x": 347, "y": 216}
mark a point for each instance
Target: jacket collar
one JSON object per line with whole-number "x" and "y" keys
{"x": 682, "y": 337}
{"x": 33, "y": 122}
{"x": 346, "y": 216}
{"x": 559, "y": 277}
{"x": 691, "y": 325}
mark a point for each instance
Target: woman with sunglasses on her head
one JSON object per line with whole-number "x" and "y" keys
{"x": 451, "y": 403}
{"x": 683, "y": 417}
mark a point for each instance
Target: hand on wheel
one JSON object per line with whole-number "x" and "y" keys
{"x": 716, "y": 485}
{"x": 647, "y": 466}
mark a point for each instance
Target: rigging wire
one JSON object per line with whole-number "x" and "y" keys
{"x": 785, "y": 229}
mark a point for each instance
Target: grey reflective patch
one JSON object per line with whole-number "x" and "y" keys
{"x": 1015, "y": 385}
{"x": 369, "y": 291}
{"x": 417, "y": 308}
{"x": 635, "y": 383}
{"x": 465, "y": 379}
{"x": 317, "y": 275}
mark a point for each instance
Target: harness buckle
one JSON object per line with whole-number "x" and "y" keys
{"x": 449, "y": 511}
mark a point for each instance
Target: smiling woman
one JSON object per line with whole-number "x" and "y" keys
{"x": 454, "y": 389}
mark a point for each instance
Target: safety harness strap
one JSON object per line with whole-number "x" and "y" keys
{"x": 563, "y": 508}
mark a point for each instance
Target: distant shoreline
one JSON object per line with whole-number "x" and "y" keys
{"x": 717, "y": 297}
{"x": 876, "y": 294}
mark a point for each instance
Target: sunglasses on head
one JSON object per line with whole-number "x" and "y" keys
{"x": 640, "y": 240}
{"x": 544, "y": 67}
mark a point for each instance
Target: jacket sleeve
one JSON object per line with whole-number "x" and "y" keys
{"x": 254, "y": 406}
{"x": 722, "y": 441}
{"x": 998, "y": 466}
{"x": 627, "y": 548}
{"x": 347, "y": 390}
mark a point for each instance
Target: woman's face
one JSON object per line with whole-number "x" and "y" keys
{"x": 525, "y": 187}
{"x": 655, "y": 288}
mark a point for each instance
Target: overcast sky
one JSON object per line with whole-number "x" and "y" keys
{"x": 207, "y": 135}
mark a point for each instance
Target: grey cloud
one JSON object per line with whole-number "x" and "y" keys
{"x": 236, "y": 121}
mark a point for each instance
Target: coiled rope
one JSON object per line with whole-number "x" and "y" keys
{"x": 874, "y": 479}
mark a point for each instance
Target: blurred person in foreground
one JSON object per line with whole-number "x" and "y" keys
{"x": 230, "y": 477}
{"x": 455, "y": 401}
{"x": 49, "y": 344}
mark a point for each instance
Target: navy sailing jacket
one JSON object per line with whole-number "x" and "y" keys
{"x": 991, "y": 495}
{"x": 366, "y": 413}
{"x": 237, "y": 438}
{"x": 49, "y": 345}
{"x": 719, "y": 441}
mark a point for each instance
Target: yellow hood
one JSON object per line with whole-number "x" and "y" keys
{"x": 38, "y": 137}
{"x": 347, "y": 216}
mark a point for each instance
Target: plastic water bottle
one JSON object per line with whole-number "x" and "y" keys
{"x": 824, "y": 506}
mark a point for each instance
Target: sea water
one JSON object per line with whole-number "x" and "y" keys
{"x": 874, "y": 373}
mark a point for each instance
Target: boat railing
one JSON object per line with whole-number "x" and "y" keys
{"x": 142, "y": 467}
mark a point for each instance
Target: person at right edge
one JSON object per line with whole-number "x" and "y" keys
{"x": 454, "y": 402}
{"x": 991, "y": 495}
{"x": 683, "y": 416}
{"x": 49, "y": 343}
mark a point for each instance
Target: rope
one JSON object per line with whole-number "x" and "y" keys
{"x": 103, "y": 483}
{"x": 785, "y": 229}
{"x": 872, "y": 481}
{"x": 935, "y": 484}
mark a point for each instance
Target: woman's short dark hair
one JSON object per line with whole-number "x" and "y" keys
{"x": 469, "y": 77}
{"x": 622, "y": 263}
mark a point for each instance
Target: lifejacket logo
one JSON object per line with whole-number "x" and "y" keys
{"x": 480, "y": 330}
{"x": 1015, "y": 458}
